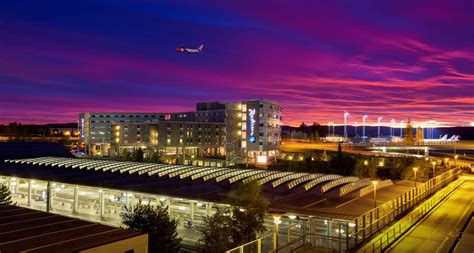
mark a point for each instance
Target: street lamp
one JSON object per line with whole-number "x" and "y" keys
{"x": 374, "y": 183}
{"x": 363, "y": 125}
{"x": 277, "y": 221}
{"x": 346, "y": 114}
{"x": 415, "y": 169}
{"x": 378, "y": 126}
{"x": 392, "y": 124}
{"x": 434, "y": 164}
{"x": 455, "y": 160}
{"x": 401, "y": 128}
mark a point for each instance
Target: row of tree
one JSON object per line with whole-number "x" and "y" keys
{"x": 314, "y": 132}
{"x": 137, "y": 155}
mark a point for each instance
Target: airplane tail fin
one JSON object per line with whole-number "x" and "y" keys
{"x": 201, "y": 47}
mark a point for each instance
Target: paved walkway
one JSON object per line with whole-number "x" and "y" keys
{"x": 436, "y": 232}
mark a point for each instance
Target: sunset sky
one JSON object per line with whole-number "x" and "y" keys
{"x": 394, "y": 59}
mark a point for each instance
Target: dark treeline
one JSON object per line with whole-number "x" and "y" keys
{"x": 24, "y": 131}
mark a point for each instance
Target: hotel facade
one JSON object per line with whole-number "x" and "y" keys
{"x": 216, "y": 134}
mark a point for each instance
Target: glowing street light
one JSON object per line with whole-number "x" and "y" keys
{"x": 378, "y": 126}
{"x": 346, "y": 114}
{"x": 455, "y": 160}
{"x": 363, "y": 125}
{"x": 415, "y": 169}
{"x": 374, "y": 183}
{"x": 277, "y": 221}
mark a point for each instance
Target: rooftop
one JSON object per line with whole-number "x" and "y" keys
{"x": 28, "y": 230}
{"x": 303, "y": 193}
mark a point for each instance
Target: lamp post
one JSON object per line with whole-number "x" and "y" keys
{"x": 363, "y": 125}
{"x": 434, "y": 164}
{"x": 329, "y": 128}
{"x": 415, "y": 169}
{"x": 401, "y": 128}
{"x": 277, "y": 221}
{"x": 346, "y": 114}
{"x": 455, "y": 161}
{"x": 378, "y": 126}
{"x": 392, "y": 124}
{"x": 374, "y": 183}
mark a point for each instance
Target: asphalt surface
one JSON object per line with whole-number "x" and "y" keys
{"x": 437, "y": 231}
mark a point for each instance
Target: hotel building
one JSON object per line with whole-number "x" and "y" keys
{"x": 216, "y": 134}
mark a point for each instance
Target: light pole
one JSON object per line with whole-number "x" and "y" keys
{"x": 434, "y": 168}
{"x": 378, "y": 126}
{"x": 415, "y": 169}
{"x": 277, "y": 221}
{"x": 363, "y": 125}
{"x": 346, "y": 114}
{"x": 329, "y": 128}
{"x": 401, "y": 128}
{"x": 392, "y": 124}
{"x": 374, "y": 183}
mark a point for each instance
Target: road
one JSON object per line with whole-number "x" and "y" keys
{"x": 436, "y": 232}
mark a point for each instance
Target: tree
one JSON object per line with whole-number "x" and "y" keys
{"x": 162, "y": 233}
{"x": 408, "y": 134}
{"x": 5, "y": 195}
{"x": 154, "y": 158}
{"x": 126, "y": 155}
{"x": 419, "y": 135}
{"x": 137, "y": 155}
{"x": 216, "y": 232}
{"x": 303, "y": 128}
{"x": 238, "y": 225}
{"x": 248, "y": 212}
{"x": 315, "y": 131}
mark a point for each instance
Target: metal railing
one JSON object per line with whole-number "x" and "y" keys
{"x": 389, "y": 236}
{"x": 255, "y": 246}
{"x": 377, "y": 218}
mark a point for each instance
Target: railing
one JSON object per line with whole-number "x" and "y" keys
{"x": 384, "y": 240}
{"x": 310, "y": 240}
{"x": 254, "y": 246}
{"x": 373, "y": 221}
{"x": 368, "y": 189}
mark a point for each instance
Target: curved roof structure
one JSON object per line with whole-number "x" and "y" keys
{"x": 205, "y": 183}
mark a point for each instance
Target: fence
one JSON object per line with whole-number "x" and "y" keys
{"x": 345, "y": 235}
{"x": 391, "y": 234}
{"x": 259, "y": 245}
{"x": 377, "y": 218}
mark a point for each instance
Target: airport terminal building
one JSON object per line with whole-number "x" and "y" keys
{"x": 216, "y": 134}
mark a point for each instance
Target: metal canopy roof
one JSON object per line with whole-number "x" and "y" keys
{"x": 182, "y": 172}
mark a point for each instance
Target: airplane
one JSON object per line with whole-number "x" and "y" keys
{"x": 190, "y": 50}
